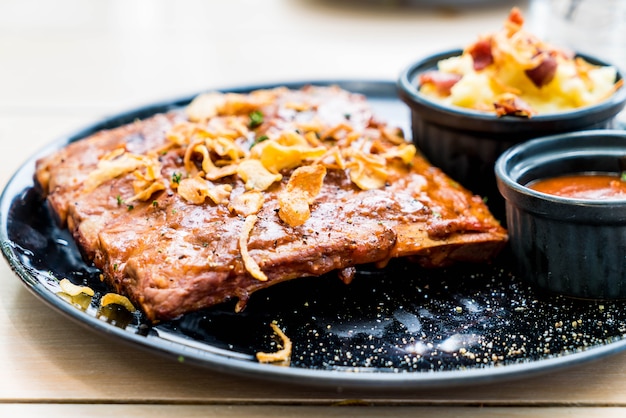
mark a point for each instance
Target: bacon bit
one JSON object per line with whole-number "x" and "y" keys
{"x": 514, "y": 22}
{"x": 516, "y": 17}
{"x": 282, "y": 355}
{"x": 543, "y": 73}
{"x": 251, "y": 266}
{"x": 481, "y": 53}
{"x": 442, "y": 82}
{"x": 509, "y": 105}
{"x": 304, "y": 185}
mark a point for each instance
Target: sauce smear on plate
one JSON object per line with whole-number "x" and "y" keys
{"x": 591, "y": 186}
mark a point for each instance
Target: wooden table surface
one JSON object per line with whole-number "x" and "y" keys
{"x": 66, "y": 63}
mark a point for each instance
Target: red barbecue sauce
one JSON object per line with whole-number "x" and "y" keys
{"x": 589, "y": 186}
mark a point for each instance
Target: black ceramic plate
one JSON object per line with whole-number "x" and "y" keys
{"x": 399, "y": 327}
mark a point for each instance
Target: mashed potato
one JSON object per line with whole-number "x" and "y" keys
{"x": 511, "y": 72}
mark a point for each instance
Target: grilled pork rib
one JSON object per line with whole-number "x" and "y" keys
{"x": 172, "y": 252}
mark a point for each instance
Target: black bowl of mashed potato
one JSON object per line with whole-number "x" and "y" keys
{"x": 468, "y": 106}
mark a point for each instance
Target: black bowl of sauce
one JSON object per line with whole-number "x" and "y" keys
{"x": 570, "y": 237}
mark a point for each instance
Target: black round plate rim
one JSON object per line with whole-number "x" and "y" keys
{"x": 217, "y": 359}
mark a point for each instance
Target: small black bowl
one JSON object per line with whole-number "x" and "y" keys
{"x": 575, "y": 247}
{"x": 465, "y": 143}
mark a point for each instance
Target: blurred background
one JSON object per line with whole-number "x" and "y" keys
{"x": 66, "y": 63}
{"x": 101, "y": 55}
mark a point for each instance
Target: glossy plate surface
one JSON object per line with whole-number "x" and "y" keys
{"x": 399, "y": 327}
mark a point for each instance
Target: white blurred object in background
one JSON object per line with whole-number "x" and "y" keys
{"x": 592, "y": 27}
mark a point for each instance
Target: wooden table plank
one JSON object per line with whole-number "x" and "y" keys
{"x": 226, "y": 411}
{"x": 109, "y": 53}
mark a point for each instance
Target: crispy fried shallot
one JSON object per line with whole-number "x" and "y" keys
{"x": 281, "y": 356}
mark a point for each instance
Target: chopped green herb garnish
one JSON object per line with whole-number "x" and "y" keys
{"x": 259, "y": 140}
{"x": 256, "y": 119}
{"x": 155, "y": 203}
{"x": 176, "y": 177}
{"x": 623, "y": 176}
{"x": 130, "y": 207}
{"x": 119, "y": 200}
{"x": 115, "y": 267}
